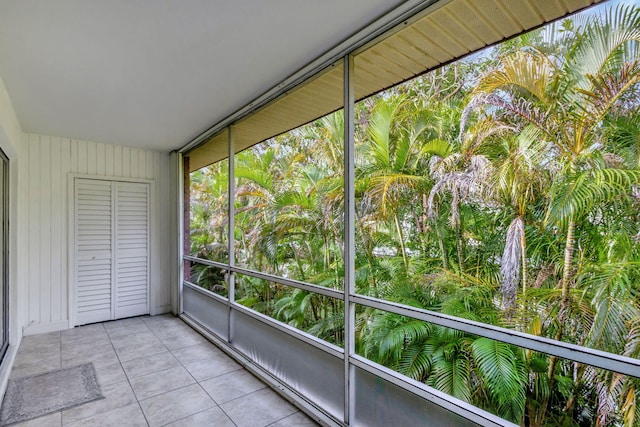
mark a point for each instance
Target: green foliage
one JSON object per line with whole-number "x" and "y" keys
{"x": 502, "y": 189}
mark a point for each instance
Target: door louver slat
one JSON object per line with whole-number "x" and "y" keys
{"x": 93, "y": 251}
{"x": 132, "y": 248}
{"x": 111, "y": 250}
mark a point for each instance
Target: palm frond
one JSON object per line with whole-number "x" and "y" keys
{"x": 415, "y": 361}
{"x": 510, "y": 264}
{"x": 603, "y": 40}
{"x": 380, "y": 130}
{"x": 452, "y": 377}
{"x": 577, "y": 195}
{"x": 437, "y": 147}
{"x": 502, "y": 376}
{"x": 527, "y": 70}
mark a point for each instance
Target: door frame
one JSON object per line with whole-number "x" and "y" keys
{"x": 71, "y": 236}
{"x": 4, "y": 254}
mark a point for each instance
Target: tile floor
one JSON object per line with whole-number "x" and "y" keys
{"x": 154, "y": 371}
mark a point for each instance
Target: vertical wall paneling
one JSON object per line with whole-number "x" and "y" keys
{"x": 142, "y": 164}
{"x": 101, "y": 159}
{"x": 117, "y": 161}
{"x": 163, "y": 199}
{"x": 45, "y": 232}
{"x": 56, "y": 230}
{"x": 65, "y": 164}
{"x": 92, "y": 159}
{"x": 47, "y": 206}
{"x": 158, "y": 298}
{"x": 134, "y": 163}
{"x": 34, "y": 229}
{"x": 108, "y": 160}
{"x": 83, "y": 163}
{"x": 126, "y": 162}
{"x": 73, "y": 151}
{"x": 151, "y": 158}
{"x": 22, "y": 220}
{"x": 159, "y": 167}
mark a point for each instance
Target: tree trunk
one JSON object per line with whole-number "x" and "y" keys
{"x": 460, "y": 247}
{"x": 568, "y": 267}
{"x": 523, "y": 250}
{"x": 564, "y": 304}
{"x": 424, "y": 219}
{"x": 443, "y": 248}
{"x": 402, "y": 248}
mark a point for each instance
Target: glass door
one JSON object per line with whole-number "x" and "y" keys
{"x": 4, "y": 254}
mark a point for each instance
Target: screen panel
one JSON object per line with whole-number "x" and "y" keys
{"x": 381, "y": 403}
{"x": 206, "y": 310}
{"x": 315, "y": 374}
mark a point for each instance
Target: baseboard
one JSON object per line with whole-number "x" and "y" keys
{"x": 43, "y": 328}
{"x": 161, "y": 310}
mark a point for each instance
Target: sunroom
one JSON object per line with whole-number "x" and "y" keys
{"x": 389, "y": 212}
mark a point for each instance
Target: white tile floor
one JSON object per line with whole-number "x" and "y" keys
{"x": 154, "y": 371}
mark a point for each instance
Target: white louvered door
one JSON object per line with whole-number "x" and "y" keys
{"x": 94, "y": 216}
{"x": 132, "y": 249}
{"x": 111, "y": 250}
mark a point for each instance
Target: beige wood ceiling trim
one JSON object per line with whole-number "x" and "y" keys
{"x": 447, "y": 31}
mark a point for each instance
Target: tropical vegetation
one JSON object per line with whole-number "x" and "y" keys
{"x": 503, "y": 188}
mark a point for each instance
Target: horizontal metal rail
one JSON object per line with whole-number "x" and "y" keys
{"x": 600, "y": 359}
{"x": 333, "y": 293}
{"x": 568, "y": 351}
{"x": 597, "y": 358}
{"x": 457, "y": 406}
{"x": 206, "y": 292}
{"x": 220, "y": 265}
{"x": 329, "y": 348}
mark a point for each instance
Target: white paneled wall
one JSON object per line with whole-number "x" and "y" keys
{"x": 48, "y": 163}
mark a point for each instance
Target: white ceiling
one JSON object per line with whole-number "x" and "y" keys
{"x": 156, "y": 73}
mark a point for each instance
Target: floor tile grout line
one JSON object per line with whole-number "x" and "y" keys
{"x": 203, "y": 389}
{"x": 127, "y": 377}
{"x": 155, "y": 329}
{"x": 138, "y": 401}
{"x": 253, "y": 392}
{"x": 284, "y": 418}
{"x": 166, "y": 391}
{"x": 216, "y": 404}
{"x": 174, "y": 390}
{"x": 204, "y": 410}
{"x": 241, "y": 368}
{"x": 142, "y": 412}
{"x": 228, "y": 416}
{"x": 181, "y": 364}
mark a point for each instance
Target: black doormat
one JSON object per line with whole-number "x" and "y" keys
{"x": 37, "y": 395}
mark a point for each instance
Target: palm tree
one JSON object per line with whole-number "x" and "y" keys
{"x": 387, "y": 164}
{"x": 568, "y": 102}
{"x": 463, "y": 174}
{"x": 519, "y": 179}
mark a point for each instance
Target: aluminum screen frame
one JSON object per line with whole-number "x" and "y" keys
{"x": 206, "y": 308}
{"x": 308, "y": 370}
